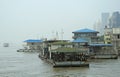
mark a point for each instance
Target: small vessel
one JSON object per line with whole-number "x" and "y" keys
{"x": 6, "y": 45}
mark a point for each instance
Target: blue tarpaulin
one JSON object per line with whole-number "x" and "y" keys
{"x": 79, "y": 41}
{"x": 85, "y": 31}
{"x": 32, "y": 41}
{"x": 101, "y": 45}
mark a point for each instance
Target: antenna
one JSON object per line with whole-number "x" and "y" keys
{"x": 57, "y": 37}
{"x": 53, "y": 34}
{"x": 62, "y": 33}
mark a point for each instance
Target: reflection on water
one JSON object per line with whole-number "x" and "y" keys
{"x": 20, "y": 64}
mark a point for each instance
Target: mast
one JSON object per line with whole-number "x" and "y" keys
{"x": 62, "y": 34}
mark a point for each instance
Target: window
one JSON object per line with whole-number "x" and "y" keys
{"x": 109, "y": 42}
{"x": 118, "y": 36}
{"x": 107, "y": 38}
{"x": 32, "y": 43}
{"x": 62, "y": 45}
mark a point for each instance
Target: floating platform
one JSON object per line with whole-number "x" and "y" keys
{"x": 70, "y": 64}
{"x": 105, "y": 56}
{"x": 65, "y": 63}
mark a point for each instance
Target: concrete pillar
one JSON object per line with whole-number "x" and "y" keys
{"x": 50, "y": 54}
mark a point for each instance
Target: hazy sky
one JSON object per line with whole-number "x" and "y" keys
{"x": 31, "y": 19}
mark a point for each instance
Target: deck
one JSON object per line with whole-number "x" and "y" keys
{"x": 71, "y": 64}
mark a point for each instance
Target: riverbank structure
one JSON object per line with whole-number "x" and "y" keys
{"x": 112, "y": 36}
{"x": 32, "y": 45}
{"x": 96, "y": 47}
{"x": 86, "y": 34}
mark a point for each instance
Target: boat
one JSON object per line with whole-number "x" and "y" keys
{"x": 64, "y": 54}
{"x": 6, "y": 45}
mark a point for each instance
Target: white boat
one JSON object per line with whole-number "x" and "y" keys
{"x": 6, "y": 45}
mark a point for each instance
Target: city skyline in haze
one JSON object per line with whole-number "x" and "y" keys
{"x": 32, "y": 19}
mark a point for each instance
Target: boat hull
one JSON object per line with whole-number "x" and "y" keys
{"x": 108, "y": 56}
{"x": 71, "y": 64}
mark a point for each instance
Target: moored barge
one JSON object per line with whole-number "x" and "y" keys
{"x": 65, "y": 54}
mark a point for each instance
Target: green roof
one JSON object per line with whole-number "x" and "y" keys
{"x": 62, "y": 43}
{"x": 68, "y": 49}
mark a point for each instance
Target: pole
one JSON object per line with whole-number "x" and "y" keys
{"x": 62, "y": 34}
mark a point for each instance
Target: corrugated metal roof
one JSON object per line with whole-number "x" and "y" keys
{"x": 33, "y": 41}
{"x": 101, "y": 45}
{"x": 85, "y": 31}
{"x": 79, "y": 41}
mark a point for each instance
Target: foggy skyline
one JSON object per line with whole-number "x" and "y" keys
{"x": 32, "y": 19}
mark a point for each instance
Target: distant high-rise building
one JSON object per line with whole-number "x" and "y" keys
{"x": 104, "y": 21}
{"x": 97, "y": 26}
{"x": 114, "y": 21}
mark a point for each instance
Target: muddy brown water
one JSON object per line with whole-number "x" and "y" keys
{"x": 21, "y": 64}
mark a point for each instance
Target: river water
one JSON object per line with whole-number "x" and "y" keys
{"x": 21, "y": 64}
